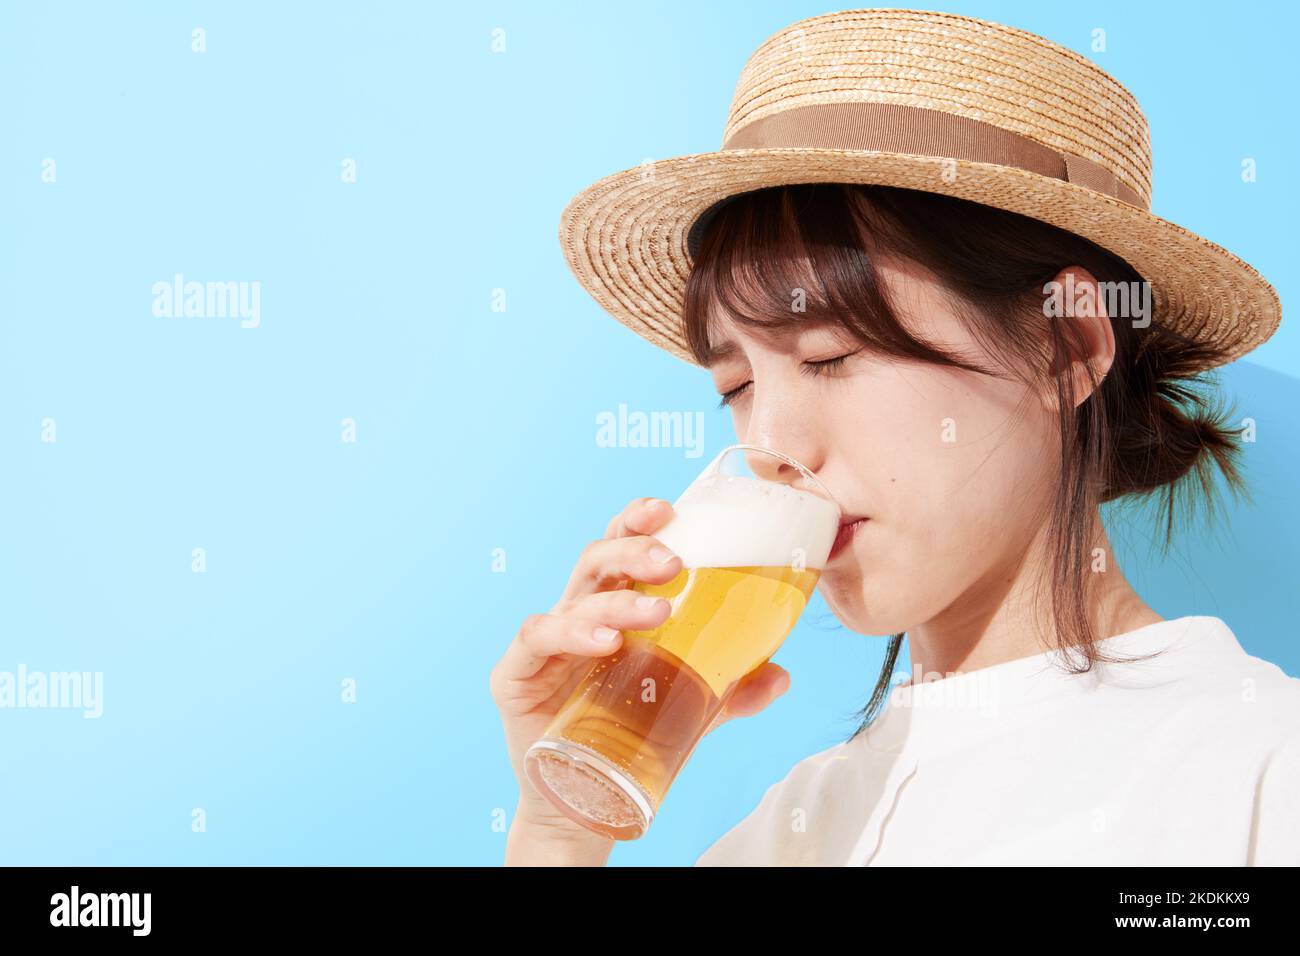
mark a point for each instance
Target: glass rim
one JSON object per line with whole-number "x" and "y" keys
{"x": 803, "y": 469}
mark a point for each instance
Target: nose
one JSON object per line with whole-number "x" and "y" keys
{"x": 770, "y": 468}
{"x": 783, "y": 426}
{"x": 767, "y": 467}
{"x": 774, "y": 469}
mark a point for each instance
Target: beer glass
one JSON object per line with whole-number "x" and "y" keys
{"x": 752, "y": 550}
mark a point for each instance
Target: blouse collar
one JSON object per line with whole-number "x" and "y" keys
{"x": 937, "y": 715}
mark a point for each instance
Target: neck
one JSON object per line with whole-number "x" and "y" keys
{"x": 998, "y": 618}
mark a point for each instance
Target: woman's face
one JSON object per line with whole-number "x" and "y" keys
{"x": 952, "y": 469}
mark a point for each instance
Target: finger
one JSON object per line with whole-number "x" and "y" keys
{"x": 543, "y": 636}
{"x": 594, "y": 632}
{"x": 613, "y": 563}
{"x": 641, "y": 516}
{"x": 625, "y": 610}
{"x": 756, "y": 691}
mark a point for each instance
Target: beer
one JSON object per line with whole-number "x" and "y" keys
{"x": 643, "y": 706}
{"x": 752, "y": 553}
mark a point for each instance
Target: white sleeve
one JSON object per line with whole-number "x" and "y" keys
{"x": 749, "y": 842}
{"x": 804, "y": 819}
{"x": 1275, "y": 830}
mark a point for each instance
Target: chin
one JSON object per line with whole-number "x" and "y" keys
{"x": 852, "y": 611}
{"x": 881, "y": 607}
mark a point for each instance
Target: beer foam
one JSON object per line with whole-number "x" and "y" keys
{"x": 733, "y": 521}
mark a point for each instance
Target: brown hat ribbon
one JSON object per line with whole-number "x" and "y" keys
{"x": 897, "y": 128}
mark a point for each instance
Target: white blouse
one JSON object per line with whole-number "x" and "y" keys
{"x": 1190, "y": 758}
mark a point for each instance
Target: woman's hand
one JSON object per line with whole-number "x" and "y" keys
{"x": 552, "y": 652}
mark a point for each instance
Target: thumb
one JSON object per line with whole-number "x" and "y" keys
{"x": 757, "y": 689}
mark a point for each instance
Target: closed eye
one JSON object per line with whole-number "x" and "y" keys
{"x": 809, "y": 368}
{"x": 731, "y": 396}
{"x": 827, "y": 365}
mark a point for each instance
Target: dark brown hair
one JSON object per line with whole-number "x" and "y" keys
{"x": 1147, "y": 429}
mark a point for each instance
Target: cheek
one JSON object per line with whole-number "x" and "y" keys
{"x": 948, "y": 449}
{"x": 951, "y": 473}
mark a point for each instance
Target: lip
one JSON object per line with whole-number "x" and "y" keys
{"x": 848, "y": 528}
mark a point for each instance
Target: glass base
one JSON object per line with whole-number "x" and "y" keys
{"x": 588, "y": 789}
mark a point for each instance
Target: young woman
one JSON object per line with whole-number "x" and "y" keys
{"x": 957, "y": 373}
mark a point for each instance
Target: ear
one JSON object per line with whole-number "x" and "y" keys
{"x": 1074, "y": 301}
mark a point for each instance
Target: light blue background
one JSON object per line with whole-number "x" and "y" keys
{"x": 476, "y": 429}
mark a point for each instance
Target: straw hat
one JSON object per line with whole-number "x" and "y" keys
{"x": 931, "y": 101}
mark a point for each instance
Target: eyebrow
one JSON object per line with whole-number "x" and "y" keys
{"x": 723, "y": 350}
{"x": 729, "y": 348}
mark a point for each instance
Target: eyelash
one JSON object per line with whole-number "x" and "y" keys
{"x": 809, "y": 368}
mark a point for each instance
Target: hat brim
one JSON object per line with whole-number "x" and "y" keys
{"x": 625, "y": 236}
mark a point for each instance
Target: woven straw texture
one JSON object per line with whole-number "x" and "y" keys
{"x": 624, "y": 237}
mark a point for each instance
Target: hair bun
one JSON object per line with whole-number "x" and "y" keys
{"x": 1169, "y": 424}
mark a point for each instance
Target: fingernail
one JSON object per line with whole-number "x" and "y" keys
{"x": 661, "y": 555}
{"x": 647, "y": 602}
{"x": 653, "y": 503}
{"x": 604, "y": 635}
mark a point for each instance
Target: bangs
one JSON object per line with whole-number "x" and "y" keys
{"x": 778, "y": 259}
